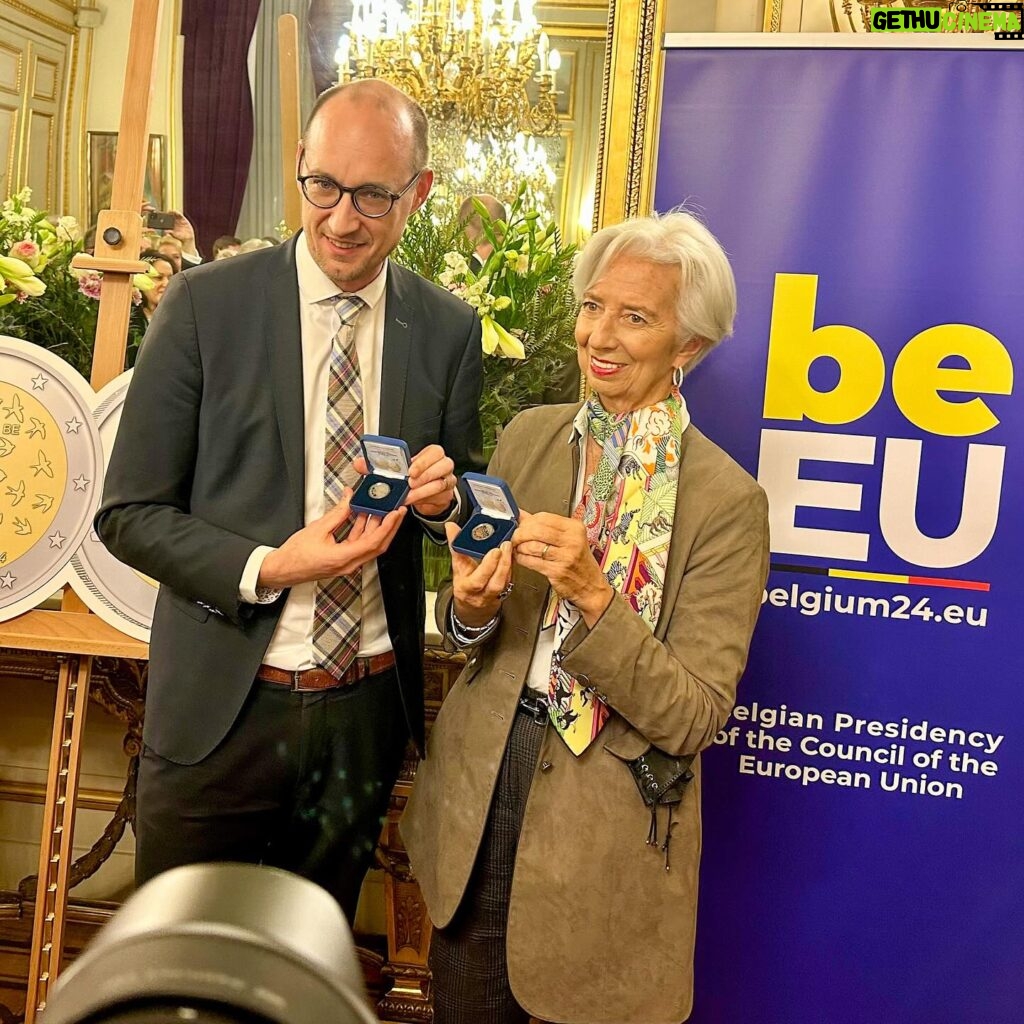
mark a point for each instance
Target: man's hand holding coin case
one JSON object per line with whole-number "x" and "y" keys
{"x": 313, "y": 553}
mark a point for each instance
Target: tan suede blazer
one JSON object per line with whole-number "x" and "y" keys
{"x": 598, "y": 931}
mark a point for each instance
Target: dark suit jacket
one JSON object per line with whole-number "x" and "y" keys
{"x": 208, "y": 464}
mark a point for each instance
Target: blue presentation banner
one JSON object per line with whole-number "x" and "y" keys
{"x": 863, "y": 851}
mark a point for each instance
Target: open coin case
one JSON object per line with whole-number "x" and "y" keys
{"x": 384, "y": 488}
{"x": 495, "y": 515}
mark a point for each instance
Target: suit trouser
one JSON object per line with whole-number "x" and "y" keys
{"x": 468, "y": 958}
{"x": 301, "y": 782}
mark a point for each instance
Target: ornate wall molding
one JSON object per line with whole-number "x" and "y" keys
{"x": 632, "y": 89}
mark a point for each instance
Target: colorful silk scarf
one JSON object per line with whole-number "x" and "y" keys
{"x": 628, "y": 508}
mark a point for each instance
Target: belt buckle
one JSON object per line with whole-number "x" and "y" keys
{"x": 535, "y": 707}
{"x": 297, "y": 687}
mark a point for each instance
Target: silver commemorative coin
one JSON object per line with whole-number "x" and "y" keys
{"x": 482, "y": 532}
{"x": 118, "y": 594}
{"x": 379, "y": 490}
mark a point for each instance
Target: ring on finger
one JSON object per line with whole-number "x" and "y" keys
{"x": 544, "y": 551}
{"x": 506, "y": 592}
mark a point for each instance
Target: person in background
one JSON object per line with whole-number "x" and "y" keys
{"x": 179, "y": 241}
{"x": 225, "y": 242}
{"x": 164, "y": 271}
{"x": 139, "y": 316}
{"x": 285, "y": 671}
{"x": 252, "y": 244}
{"x": 170, "y": 248}
{"x": 249, "y": 245}
{"x": 615, "y": 623}
{"x": 473, "y": 227}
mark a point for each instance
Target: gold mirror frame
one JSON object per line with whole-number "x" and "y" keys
{"x": 630, "y": 109}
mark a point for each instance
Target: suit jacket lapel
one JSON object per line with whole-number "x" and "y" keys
{"x": 282, "y": 333}
{"x": 550, "y": 484}
{"x": 401, "y": 330}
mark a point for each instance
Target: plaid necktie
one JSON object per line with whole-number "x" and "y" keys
{"x": 336, "y": 615}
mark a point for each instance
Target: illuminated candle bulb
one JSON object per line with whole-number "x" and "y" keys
{"x": 554, "y": 63}
{"x": 341, "y": 58}
{"x": 542, "y": 51}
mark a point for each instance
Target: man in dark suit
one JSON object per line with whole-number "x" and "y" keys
{"x": 285, "y": 664}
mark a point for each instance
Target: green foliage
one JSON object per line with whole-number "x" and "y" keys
{"x": 432, "y": 232}
{"x": 43, "y": 300}
{"x": 522, "y": 294}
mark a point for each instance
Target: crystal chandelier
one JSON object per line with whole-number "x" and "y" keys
{"x": 499, "y": 167}
{"x": 477, "y": 67}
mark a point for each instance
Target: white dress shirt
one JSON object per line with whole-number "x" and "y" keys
{"x": 291, "y": 646}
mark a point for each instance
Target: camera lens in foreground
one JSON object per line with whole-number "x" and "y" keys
{"x": 218, "y": 944}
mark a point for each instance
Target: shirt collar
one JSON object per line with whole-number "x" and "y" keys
{"x": 315, "y": 286}
{"x": 579, "y": 425}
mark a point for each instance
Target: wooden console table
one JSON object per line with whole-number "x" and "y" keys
{"x": 396, "y": 974}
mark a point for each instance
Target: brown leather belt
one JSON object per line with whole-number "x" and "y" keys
{"x": 321, "y": 679}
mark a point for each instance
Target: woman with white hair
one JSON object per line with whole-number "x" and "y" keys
{"x": 554, "y": 827}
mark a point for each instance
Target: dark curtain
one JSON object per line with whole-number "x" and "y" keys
{"x": 216, "y": 113}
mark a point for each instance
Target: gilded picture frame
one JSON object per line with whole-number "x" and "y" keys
{"x": 102, "y": 152}
{"x": 630, "y": 110}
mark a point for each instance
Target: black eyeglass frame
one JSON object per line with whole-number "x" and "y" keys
{"x": 342, "y": 189}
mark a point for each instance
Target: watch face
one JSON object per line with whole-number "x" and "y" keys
{"x": 482, "y": 532}
{"x": 379, "y": 490}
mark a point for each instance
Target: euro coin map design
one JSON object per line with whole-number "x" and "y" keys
{"x": 51, "y": 472}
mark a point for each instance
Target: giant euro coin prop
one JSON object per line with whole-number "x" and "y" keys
{"x": 51, "y": 472}
{"x": 117, "y": 593}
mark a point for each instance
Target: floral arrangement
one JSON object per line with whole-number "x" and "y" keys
{"x": 43, "y": 299}
{"x": 522, "y": 293}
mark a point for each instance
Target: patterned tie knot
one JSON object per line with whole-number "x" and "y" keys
{"x": 349, "y": 307}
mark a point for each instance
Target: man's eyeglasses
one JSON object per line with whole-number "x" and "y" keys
{"x": 370, "y": 200}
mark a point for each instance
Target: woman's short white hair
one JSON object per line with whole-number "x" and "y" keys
{"x": 706, "y": 302}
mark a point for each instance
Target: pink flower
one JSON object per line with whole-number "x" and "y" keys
{"x": 26, "y": 250}
{"x": 89, "y": 284}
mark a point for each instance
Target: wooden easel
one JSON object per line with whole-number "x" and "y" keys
{"x": 291, "y": 125}
{"x": 73, "y": 632}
